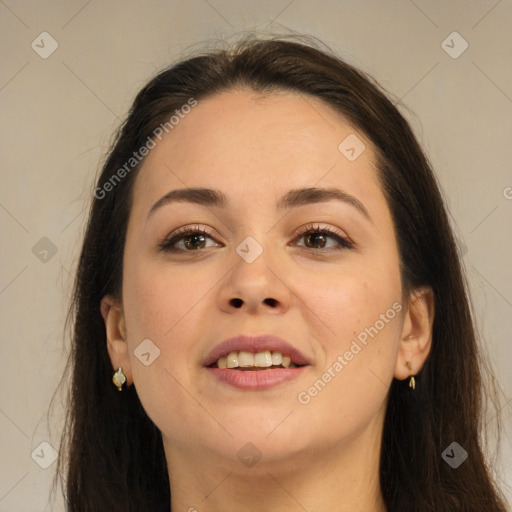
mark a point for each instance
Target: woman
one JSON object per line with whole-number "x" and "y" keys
{"x": 270, "y": 312}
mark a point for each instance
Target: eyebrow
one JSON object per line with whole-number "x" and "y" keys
{"x": 292, "y": 199}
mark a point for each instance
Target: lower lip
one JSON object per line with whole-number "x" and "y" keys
{"x": 253, "y": 380}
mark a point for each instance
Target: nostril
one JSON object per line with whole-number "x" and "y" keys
{"x": 236, "y": 302}
{"x": 271, "y": 302}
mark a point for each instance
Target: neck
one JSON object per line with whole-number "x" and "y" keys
{"x": 344, "y": 477}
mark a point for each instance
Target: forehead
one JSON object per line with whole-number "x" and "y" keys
{"x": 259, "y": 146}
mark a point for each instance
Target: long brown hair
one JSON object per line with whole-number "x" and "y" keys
{"x": 112, "y": 455}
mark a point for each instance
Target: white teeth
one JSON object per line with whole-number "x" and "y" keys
{"x": 263, "y": 359}
{"x": 277, "y": 358}
{"x": 232, "y": 360}
{"x": 244, "y": 359}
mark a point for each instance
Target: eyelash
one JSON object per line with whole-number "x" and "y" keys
{"x": 168, "y": 244}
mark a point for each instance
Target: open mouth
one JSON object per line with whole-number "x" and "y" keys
{"x": 249, "y": 361}
{"x": 259, "y": 362}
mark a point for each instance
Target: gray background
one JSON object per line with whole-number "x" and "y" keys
{"x": 59, "y": 113}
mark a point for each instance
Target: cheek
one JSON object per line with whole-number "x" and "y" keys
{"x": 165, "y": 305}
{"x": 361, "y": 309}
{"x": 351, "y": 297}
{"x": 169, "y": 305}
{"x": 174, "y": 307}
{"x": 157, "y": 298}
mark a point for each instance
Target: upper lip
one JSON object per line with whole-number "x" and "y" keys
{"x": 255, "y": 344}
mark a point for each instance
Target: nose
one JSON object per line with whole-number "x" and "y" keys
{"x": 256, "y": 287}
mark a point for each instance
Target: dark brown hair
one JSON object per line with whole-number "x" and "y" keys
{"x": 112, "y": 456}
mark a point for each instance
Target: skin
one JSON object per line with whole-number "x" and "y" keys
{"x": 323, "y": 455}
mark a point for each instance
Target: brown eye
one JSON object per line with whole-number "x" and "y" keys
{"x": 191, "y": 239}
{"x": 195, "y": 241}
{"x": 313, "y": 239}
{"x": 318, "y": 236}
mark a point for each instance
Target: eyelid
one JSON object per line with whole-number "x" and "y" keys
{"x": 343, "y": 240}
{"x": 182, "y": 232}
{"x": 316, "y": 226}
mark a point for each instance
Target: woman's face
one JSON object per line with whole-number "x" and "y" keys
{"x": 252, "y": 272}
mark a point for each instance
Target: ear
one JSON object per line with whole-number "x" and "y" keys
{"x": 112, "y": 313}
{"x": 416, "y": 337}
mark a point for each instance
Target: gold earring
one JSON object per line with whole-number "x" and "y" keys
{"x": 119, "y": 379}
{"x": 412, "y": 381}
